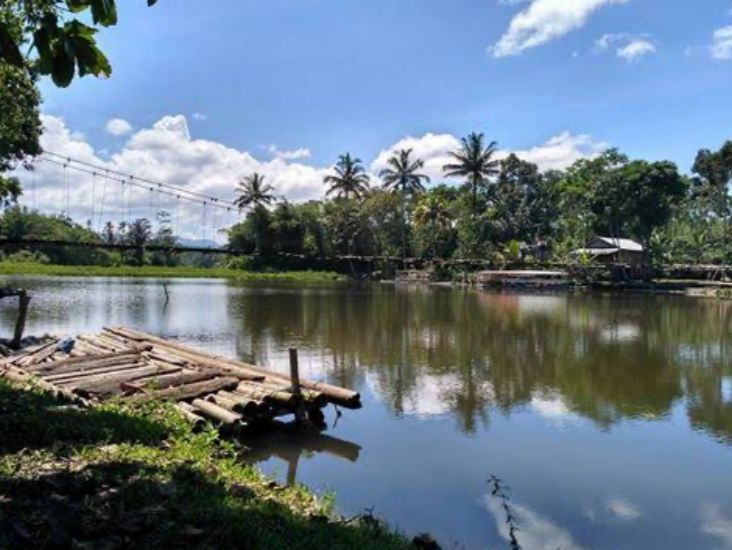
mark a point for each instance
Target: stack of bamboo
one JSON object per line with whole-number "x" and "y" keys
{"x": 140, "y": 367}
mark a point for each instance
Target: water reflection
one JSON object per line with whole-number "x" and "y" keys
{"x": 427, "y": 352}
{"x": 609, "y": 415}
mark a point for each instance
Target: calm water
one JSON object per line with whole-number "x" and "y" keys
{"x": 609, "y": 417}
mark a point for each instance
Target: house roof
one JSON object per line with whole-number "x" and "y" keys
{"x": 628, "y": 245}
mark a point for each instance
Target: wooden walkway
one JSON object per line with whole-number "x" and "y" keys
{"x": 125, "y": 363}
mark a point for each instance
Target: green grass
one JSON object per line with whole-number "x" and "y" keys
{"x": 13, "y": 268}
{"x": 117, "y": 476}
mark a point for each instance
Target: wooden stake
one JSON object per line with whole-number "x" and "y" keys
{"x": 295, "y": 373}
{"x": 23, "y": 301}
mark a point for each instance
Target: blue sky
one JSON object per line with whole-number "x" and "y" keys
{"x": 333, "y": 75}
{"x": 315, "y": 78}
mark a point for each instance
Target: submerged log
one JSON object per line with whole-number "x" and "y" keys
{"x": 189, "y": 391}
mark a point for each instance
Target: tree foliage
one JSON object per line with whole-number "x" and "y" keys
{"x": 61, "y": 45}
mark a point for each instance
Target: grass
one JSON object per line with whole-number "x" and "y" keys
{"x": 118, "y": 476}
{"x": 19, "y": 268}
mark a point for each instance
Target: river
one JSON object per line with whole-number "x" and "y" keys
{"x": 608, "y": 417}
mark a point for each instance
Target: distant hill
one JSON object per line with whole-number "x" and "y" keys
{"x": 199, "y": 243}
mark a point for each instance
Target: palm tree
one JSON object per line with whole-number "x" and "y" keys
{"x": 350, "y": 178}
{"x": 253, "y": 192}
{"x": 433, "y": 212}
{"x": 473, "y": 161}
{"x": 402, "y": 175}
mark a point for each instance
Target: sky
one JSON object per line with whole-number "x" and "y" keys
{"x": 204, "y": 93}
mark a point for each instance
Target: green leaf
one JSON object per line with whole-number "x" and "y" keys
{"x": 9, "y": 51}
{"x": 104, "y": 12}
{"x": 62, "y": 72}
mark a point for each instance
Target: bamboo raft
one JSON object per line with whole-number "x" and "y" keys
{"x": 133, "y": 365}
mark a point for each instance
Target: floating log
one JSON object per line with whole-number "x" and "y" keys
{"x": 189, "y": 391}
{"x": 268, "y": 395}
{"x": 214, "y": 411}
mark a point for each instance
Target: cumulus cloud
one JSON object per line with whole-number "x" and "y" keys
{"x": 630, "y": 47}
{"x": 544, "y": 21}
{"x": 534, "y": 530}
{"x": 167, "y": 153}
{"x": 118, "y": 127}
{"x": 722, "y": 43}
{"x": 556, "y": 153}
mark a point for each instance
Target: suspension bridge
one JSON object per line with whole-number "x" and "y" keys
{"x": 110, "y": 197}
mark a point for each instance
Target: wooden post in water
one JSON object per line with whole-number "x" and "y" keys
{"x": 23, "y": 301}
{"x": 295, "y": 389}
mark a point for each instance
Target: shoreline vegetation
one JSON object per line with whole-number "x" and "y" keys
{"x": 121, "y": 475}
{"x": 184, "y": 272}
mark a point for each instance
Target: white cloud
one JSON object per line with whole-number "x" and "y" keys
{"x": 562, "y": 150}
{"x": 623, "y": 509}
{"x": 544, "y": 21}
{"x": 630, "y": 47}
{"x": 199, "y": 116}
{"x": 118, "y": 127}
{"x": 557, "y": 153}
{"x": 433, "y": 149}
{"x": 716, "y": 524}
{"x": 293, "y": 154}
{"x": 635, "y": 50}
{"x": 722, "y": 43}
{"x": 167, "y": 153}
{"x": 534, "y": 531}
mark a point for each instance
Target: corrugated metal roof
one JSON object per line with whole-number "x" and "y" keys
{"x": 622, "y": 244}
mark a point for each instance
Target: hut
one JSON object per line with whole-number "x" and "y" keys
{"x": 616, "y": 252}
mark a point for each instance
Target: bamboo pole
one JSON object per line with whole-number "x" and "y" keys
{"x": 91, "y": 372}
{"x": 216, "y": 412}
{"x": 88, "y": 362}
{"x": 16, "y": 375}
{"x": 189, "y": 412}
{"x": 189, "y": 391}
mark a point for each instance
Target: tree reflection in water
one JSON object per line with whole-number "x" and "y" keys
{"x": 467, "y": 353}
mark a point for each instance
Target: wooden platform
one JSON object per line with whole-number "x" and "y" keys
{"x": 122, "y": 362}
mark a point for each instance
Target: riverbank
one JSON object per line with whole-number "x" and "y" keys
{"x": 137, "y": 475}
{"x": 52, "y": 270}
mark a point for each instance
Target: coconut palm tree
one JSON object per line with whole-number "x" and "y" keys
{"x": 433, "y": 213}
{"x": 402, "y": 173}
{"x": 349, "y": 179}
{"x": 253, "y": 192}
{"x": 473, "y": 161}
